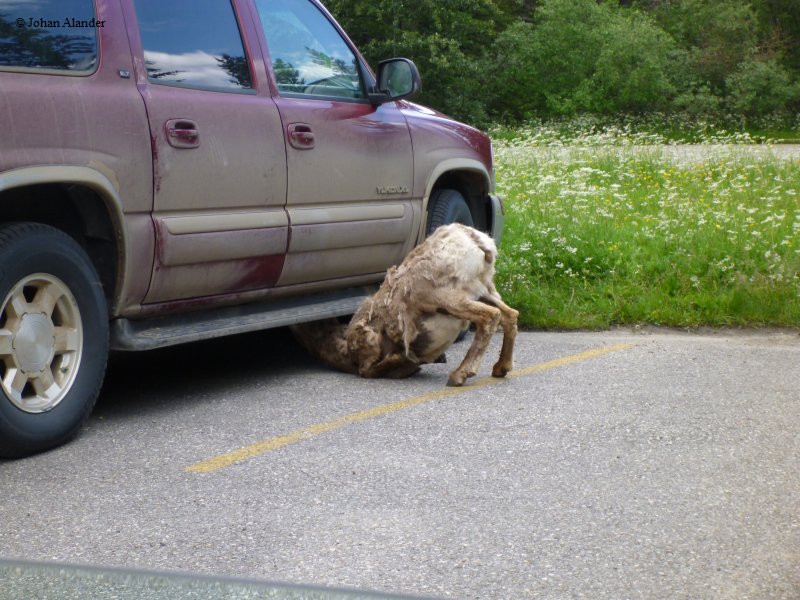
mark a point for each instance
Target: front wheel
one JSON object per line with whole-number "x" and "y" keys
{"x": 53, "y": 338}
{"x": 447, "y": 206}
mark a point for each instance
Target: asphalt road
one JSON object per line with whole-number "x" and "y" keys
{"x": 611, "y": 465}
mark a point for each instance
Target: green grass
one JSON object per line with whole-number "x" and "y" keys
{"x": 655, "y": 128}
{"x": 604, "y": 235}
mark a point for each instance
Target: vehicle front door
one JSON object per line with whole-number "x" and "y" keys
{"x": 350, "y": 164}
{"x": 218, "y": 151}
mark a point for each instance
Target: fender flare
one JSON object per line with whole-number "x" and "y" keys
{"x": 447, "y": 166}
{"x": 86, "y": 176}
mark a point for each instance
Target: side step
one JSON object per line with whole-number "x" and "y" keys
{"x": 171, "y": 330}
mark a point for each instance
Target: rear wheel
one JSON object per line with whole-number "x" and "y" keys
{"x": 53, "y": 338}
{"x": 447, "y": 206}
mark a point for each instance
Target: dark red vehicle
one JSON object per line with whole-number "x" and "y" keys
{"x": 174, "y": 171}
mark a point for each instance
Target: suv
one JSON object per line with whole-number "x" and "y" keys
{"x": 175, "y": 171}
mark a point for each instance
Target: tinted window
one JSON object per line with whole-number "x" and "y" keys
{"x": 309, "y": 57}
{"x": 48, "y": 34}
{"x": 193, "y": 43}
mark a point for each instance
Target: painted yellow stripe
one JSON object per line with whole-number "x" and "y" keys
{"x": 568, "y": 360}
{"x": 259, "y": 448}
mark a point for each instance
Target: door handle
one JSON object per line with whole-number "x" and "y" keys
{"x": 301, "y": 136}
{"x": 183, "y": 133}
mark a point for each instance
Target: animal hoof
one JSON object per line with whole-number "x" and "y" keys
{"x": 500, "y": 370}
{"x": 455, "y": 381}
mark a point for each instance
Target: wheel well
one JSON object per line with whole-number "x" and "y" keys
{"x": 77, "y": 211}
{"x": 473, "y": 187}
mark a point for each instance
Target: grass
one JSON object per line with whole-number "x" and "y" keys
{"x": 654, "y": 128}
{"x": 602, "y": 231}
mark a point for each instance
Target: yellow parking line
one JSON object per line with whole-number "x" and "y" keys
{"x": 568, "y": 360}
{"x": 259, "y": 448}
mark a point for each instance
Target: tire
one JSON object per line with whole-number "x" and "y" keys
{"x": 53, "y": 338}
{"x": 447, "y": 206}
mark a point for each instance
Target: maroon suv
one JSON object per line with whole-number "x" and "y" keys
{"x": 174, "y": 171}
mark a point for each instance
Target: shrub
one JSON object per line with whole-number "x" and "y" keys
{"x": 632, "y": 72}
{"x": 698, "y": 100}
{"x": 582, "y": 56}
{"x": 566, "y": 41}
{"x": 718, "y": 35}
{"x": 760, "y": 87}
{"x": 516, "y": 92}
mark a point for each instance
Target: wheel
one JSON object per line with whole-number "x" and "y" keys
{"x": 447, "y": 206}
{"x": 53, "y": 338}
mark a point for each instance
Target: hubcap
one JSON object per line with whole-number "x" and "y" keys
{"x": 34, "y": 343}
{"x": 41, "y": 342}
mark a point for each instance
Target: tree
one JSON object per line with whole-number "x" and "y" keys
{"x": 718, "y": 35}
{"x": 446, "y": 38}
{"x": 514, "y": 59}
{"x": 744, "y": 54}
{"x": 760, "y": 87}
{"x": 582, "y": 56}
{"x": 567, "y": 38}
{"x": 779, "y": 23}
{"x": 634, "y": 68}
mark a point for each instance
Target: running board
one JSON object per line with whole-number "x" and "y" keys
{"x": 159, "y": 332}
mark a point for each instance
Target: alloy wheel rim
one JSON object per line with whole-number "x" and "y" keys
{"x": 41, "y": 343}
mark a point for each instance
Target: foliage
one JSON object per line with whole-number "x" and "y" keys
{"x": 632, "y": 72}
{"x": 489, "y": 60}
{"x": 583, "y": 57}
{"x": 516, "y": 90}
{"x": 718, "y": 34}
{"x": 760, "y": 87}
{"x": 779, "y": 28}
{"x": 446, "y": 39}
{"x": 567, "y": 38}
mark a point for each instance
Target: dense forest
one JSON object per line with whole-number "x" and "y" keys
{"x": 513, "y": 60}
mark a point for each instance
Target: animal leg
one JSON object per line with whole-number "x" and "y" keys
{"x": 508, "y": 321}
{"x": 486, "y": 319}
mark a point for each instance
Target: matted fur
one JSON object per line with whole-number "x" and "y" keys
{"x": 419, "y": 311}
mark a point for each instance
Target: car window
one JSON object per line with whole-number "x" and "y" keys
{"x": 193, "y": 43}
{"x": 49, "y": 34}
{"x": 309, "y": 56}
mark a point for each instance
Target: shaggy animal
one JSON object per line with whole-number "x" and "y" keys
{"x": 443, "y": 284}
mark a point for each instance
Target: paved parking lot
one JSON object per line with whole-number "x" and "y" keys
{"x": 610, "y": 465}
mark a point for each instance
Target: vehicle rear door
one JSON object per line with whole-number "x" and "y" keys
{"x": 218, "y": 150}
{"x": 350, "y": 164}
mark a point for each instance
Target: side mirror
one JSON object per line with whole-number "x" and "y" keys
{"x": 397, "y": 78}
